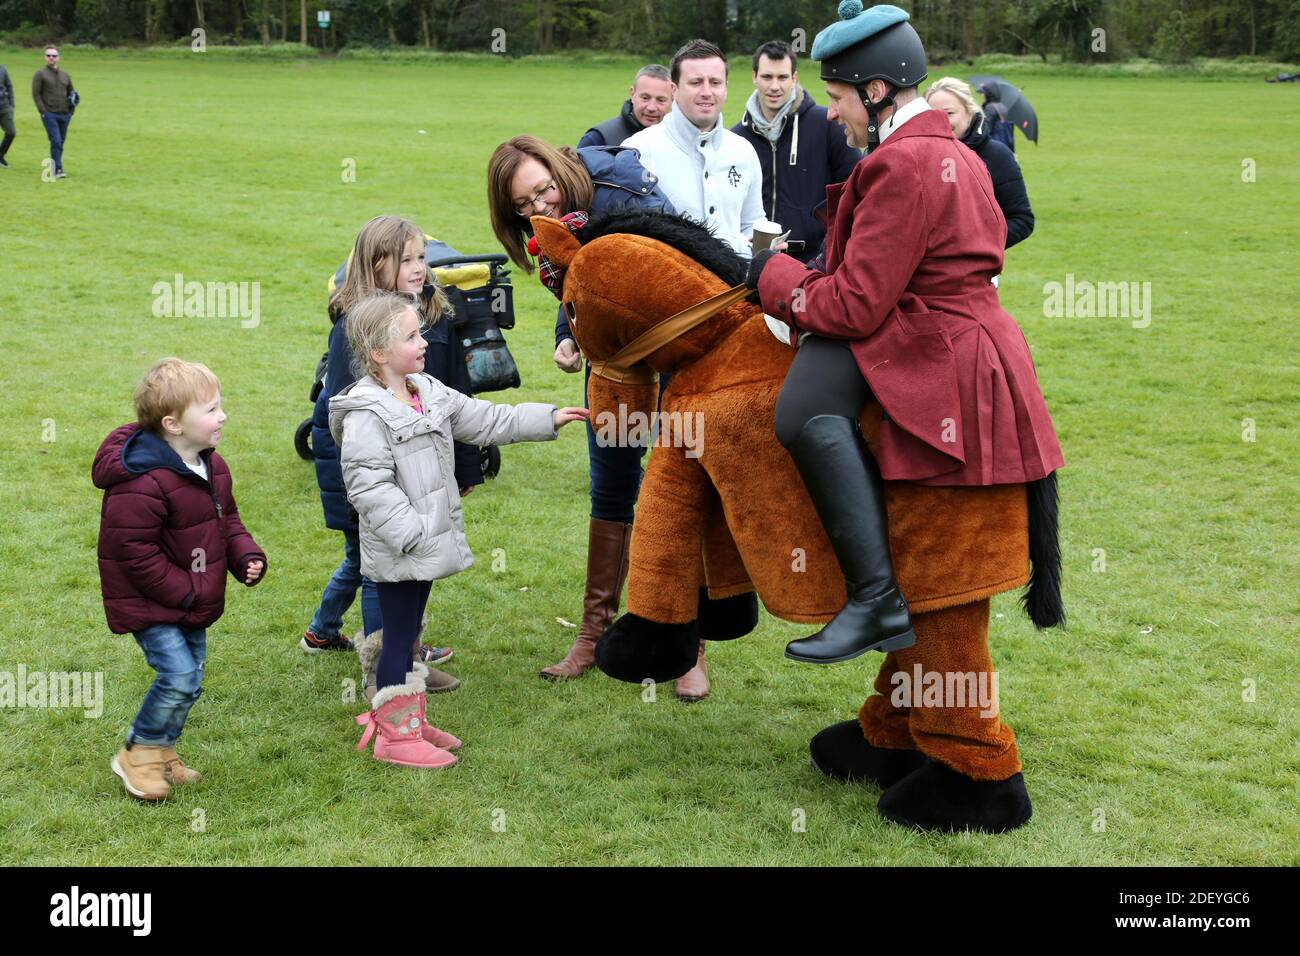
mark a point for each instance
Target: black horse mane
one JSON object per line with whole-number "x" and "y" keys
{"x": 679, "y": 231}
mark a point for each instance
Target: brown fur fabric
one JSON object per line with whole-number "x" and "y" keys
{"x": 953, "y": 640}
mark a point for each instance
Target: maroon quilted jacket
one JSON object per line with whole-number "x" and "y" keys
{"x": 166, "y": 536}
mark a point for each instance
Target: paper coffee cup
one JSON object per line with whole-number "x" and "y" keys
{"x": 765, "y": 233}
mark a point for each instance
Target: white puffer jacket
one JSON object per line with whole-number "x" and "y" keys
{"x": 714, "y": 177}
{"x": 400, "y": 472}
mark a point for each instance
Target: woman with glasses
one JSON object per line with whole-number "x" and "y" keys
{"x": 529, "y": 177}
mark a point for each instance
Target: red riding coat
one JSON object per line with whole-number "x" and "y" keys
{"x": 914, "y": 239}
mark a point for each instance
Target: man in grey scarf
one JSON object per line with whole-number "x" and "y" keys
{"x": 800, "y": 150}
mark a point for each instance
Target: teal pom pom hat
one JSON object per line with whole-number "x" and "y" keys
{"x": 872, "y": 44}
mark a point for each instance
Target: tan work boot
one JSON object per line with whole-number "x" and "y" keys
{"x": 608, "y": 548}
{"x": 693, "y": 686}
{"x": 174, "y": 770}
{"x": 141, "y": 768}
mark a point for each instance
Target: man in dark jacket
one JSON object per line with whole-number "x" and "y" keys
{"x": 51, "y": 88}
{"x": 995, "y": 118}
{"x": 649, "y": 100}
{"x": 800, "y": 150}
{"x": 6, "y": 114}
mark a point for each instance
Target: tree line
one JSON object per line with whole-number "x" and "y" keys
{"x": 1078, "y": 30}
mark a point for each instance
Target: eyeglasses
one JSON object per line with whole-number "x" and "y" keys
{"x": 51, "y": 56}
{"x": 527, "y": 206}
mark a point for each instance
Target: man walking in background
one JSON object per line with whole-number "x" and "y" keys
{"x": 648, "y": 102}
{"x": 51, "y": 89}
{"x": 6, "y": 114}
{"x": 800, "y": 150}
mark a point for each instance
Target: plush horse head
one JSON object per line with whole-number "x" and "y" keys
{"x": 631, "y": 270}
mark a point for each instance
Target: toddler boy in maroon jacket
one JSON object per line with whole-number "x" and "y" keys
{"x": 168, "y": 532}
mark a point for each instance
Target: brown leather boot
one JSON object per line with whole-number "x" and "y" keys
{"x": 174, "y": 770}
{"x": 608, "y": 547}
{"x": 141, "y": 768}
{"x": 693, "y": 686}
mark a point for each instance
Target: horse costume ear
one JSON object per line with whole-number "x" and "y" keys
{"x": 555, "y": 240}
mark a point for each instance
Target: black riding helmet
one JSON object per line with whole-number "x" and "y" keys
{"x": 894, "y": 54}
{"x": 873, "y": 44}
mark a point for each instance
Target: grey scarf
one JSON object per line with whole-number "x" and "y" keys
{"x": 771, "y": 130}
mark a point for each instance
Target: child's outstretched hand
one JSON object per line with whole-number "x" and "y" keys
{"x": 253, "y": 572}
{"x": 565, "y": 415}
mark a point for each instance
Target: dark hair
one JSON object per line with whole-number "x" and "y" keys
{"x": 570, "y": 175}
{"x": 697, "y": 50}
{"x": 776, "y": 50}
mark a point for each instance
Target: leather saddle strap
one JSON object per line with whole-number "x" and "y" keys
{"x": 619, "y": 367}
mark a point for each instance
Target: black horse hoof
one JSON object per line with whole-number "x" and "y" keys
{"x": 939, "y": 798}
{"x": 727, "y": 618}
{"x": 634, "y": 648}
{"x": 840, "y": 751}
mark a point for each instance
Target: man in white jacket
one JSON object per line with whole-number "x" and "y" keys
{"x": 709, "y": 173}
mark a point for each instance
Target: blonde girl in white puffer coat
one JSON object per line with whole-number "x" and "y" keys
{"x": 395, "y": 427}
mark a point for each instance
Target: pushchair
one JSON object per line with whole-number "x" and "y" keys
{"x": 482, "y": 301}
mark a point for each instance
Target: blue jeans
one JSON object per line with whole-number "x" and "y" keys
{"x": 178, "y": 656}
{"x": 615, "y": 474}
{"x": 56, "y": 128}
{"x": 341, "y": 591}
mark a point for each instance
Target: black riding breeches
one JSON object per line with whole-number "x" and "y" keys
{"x": 824, "y": 379}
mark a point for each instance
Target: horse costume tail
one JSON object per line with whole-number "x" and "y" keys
{"x": 1042, "y": 599}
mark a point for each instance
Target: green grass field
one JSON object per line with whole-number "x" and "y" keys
{"x": 224, "y": 169}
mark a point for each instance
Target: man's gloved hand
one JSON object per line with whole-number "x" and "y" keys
{"x": 756, "y": 265}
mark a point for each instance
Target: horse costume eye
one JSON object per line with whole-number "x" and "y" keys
{"x": 572, "y": 311}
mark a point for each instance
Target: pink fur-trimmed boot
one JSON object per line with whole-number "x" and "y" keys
{"x": 439, "y": 738}
{"x": 397, "y": 712}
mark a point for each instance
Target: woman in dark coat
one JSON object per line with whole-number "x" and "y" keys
{"x": 526, "y": 177}
{"x": 971, "y": 126}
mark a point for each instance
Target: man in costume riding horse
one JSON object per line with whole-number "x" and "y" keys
{"x": 905, "y": 358}
{"x": 902, "y": 309}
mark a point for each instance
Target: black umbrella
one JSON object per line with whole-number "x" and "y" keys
{"x": 1010, "y": 102}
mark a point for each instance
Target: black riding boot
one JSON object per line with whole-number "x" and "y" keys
{"x": 845, "y": 487}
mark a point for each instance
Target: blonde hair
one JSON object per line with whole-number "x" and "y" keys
{"x": 957, "y": 88}
{"x": 170, "y": 387}
{"x": 570, "y": 175}
{"x": 381, "y": 241}
{"x": 373, "y": 326}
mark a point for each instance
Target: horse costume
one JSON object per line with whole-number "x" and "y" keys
{"x": 725, "y": 516}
